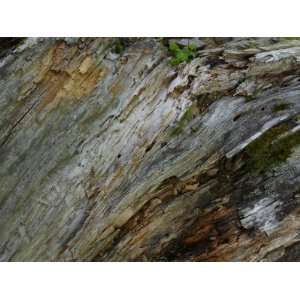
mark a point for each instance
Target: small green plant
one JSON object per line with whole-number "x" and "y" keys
{"x": 181, "y": 54}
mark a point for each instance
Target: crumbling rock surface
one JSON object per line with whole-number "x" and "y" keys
{"x": 112, "y": 155}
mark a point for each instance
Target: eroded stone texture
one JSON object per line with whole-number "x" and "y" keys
{"x": 119, "y": 156}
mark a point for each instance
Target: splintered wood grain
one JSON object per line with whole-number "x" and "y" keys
{"x": 109, "y": 156}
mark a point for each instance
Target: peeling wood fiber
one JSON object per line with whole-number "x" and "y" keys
{"x": 112, "y": 155}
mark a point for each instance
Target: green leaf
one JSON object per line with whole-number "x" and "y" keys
{"x": 181, "y": 54}
{"x": 174, "y": 47}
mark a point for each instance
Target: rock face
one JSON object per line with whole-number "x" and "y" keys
{"x": 109, "y": 153}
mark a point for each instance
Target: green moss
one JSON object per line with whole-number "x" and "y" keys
{"x": 250, "y": 98}
{"x": 181, "y": 54}
{"x": 297, "y": 191}
{"x": 290, "y": 38}
{"x": 253, "y": 44}
{"x": 280, "y": 107}
{"x": 266, "y": 152}
{"x": 119, "y": 46}
{"x": 184, "y": 120}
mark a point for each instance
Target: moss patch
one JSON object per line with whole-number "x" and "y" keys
{"x": 119, "y": 46}
{"x": 184, "y": 120}
{"x": 250, "y": 98}
{"x": 266, "y": 152}
{"x": 291, "y": 38}
{"x": 280, "y": 107}
{"x": 297, "y": 118}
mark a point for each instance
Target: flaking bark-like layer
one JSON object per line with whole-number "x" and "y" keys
{"x": 112, "y": 155}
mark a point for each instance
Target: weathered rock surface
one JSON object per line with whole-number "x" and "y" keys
{"x": 109, "y": 156}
